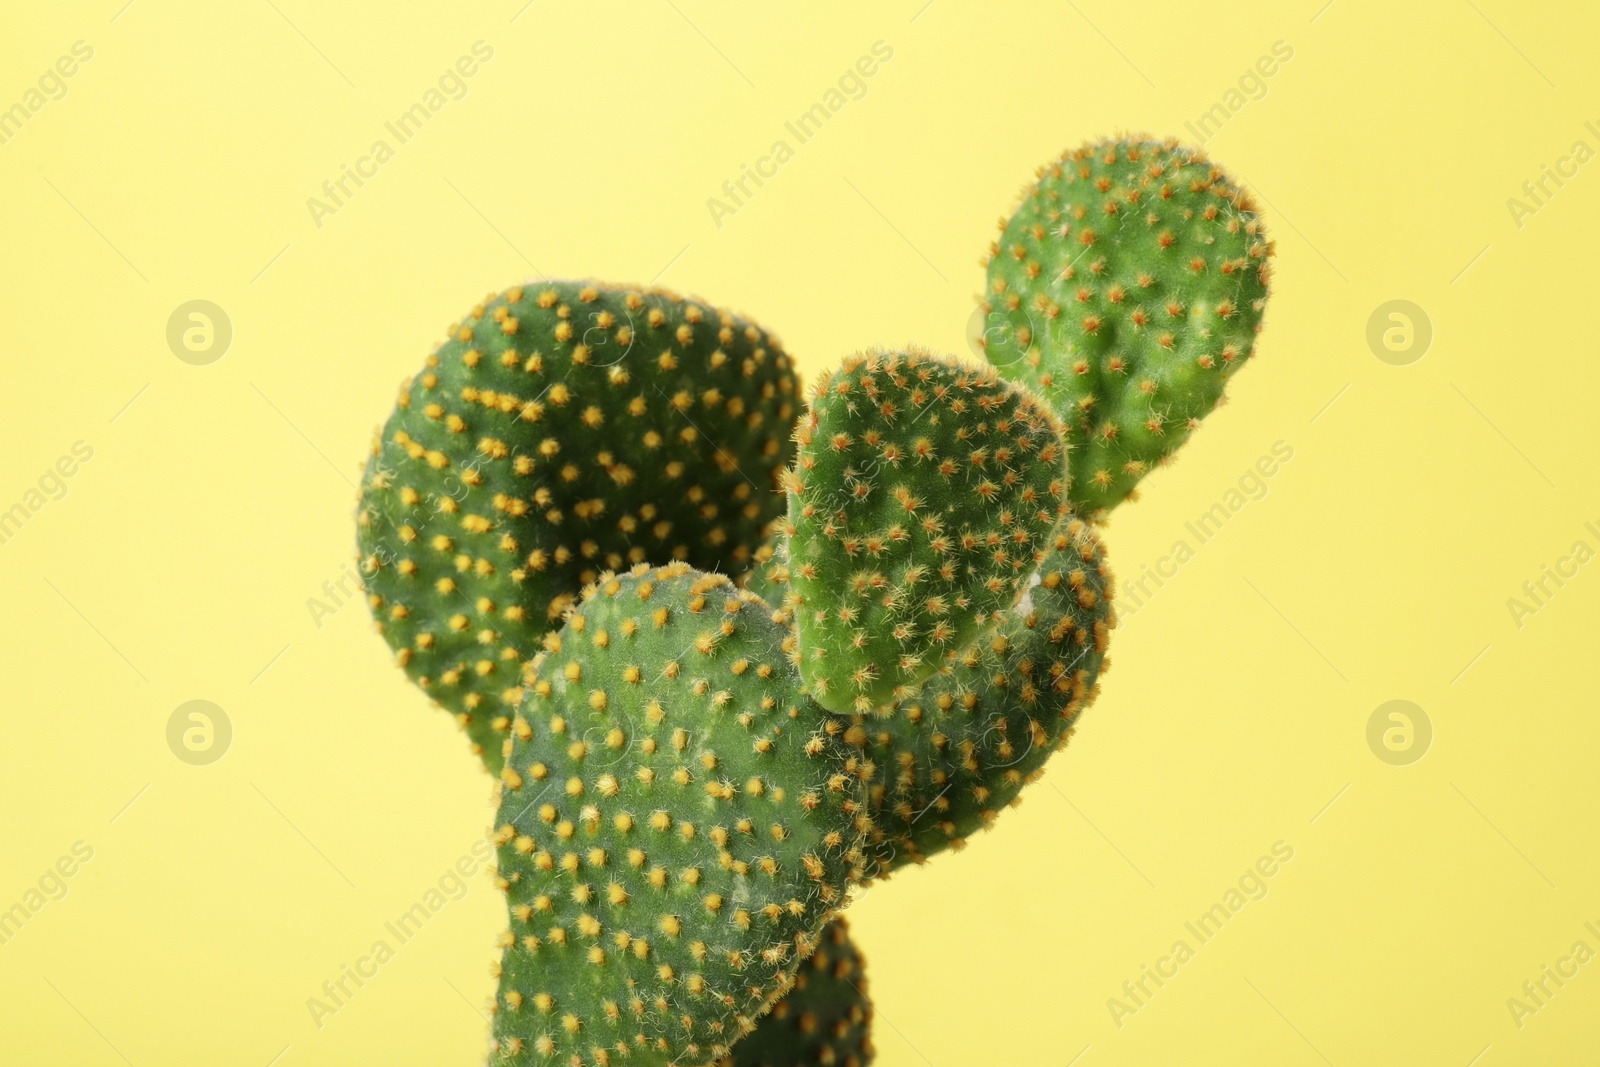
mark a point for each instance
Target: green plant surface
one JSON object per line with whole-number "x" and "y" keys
{"x": 1127, "y": 288}
{"x": 677, "y": 822}
{"x": 825, "y": 1021}
{"x": 922, "y": 495}
{"x": 955, "y": 755}
{"x": 952, "y": 756}
{"x": 562, "y": 429}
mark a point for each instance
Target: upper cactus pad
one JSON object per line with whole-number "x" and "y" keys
{"x": 922, "y": 495}
{"x": 562, "y": 429}
{"x": 677, "y": 822}
{"x": 1127, "y": 288}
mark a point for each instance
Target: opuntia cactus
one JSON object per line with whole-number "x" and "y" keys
{"x": 921, "y": 494}
{"x": 562, "y": 429}
{"x": 825, "y": 1021}
{"x": 678, "y": 820}
{"x": 692, "y": 774}
{"x": 1127, "y": 288}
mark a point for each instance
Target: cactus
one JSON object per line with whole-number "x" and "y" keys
{"x": 922, "y": 491}
{"x": 693, "y": 775}
{"x": 1126, "y": 289}
{"x": 677, "y": 822}
{"x": 825, "y": 1021}
{"x": 562, "y": 429}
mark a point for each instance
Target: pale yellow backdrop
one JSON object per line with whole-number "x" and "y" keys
{"x": 186, "y": 557}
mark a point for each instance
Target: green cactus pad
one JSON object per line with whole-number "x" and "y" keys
{"x": 677, "y": 822}
{"x": 923, "y": 492}
{"x": 825, "y": 1021}
{"x": 562, "y": 429}
{"x": 1126, "y": 289}
{"x": 952, "y": 757}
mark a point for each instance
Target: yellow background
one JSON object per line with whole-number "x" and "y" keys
{"x": 180, "y": 563}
